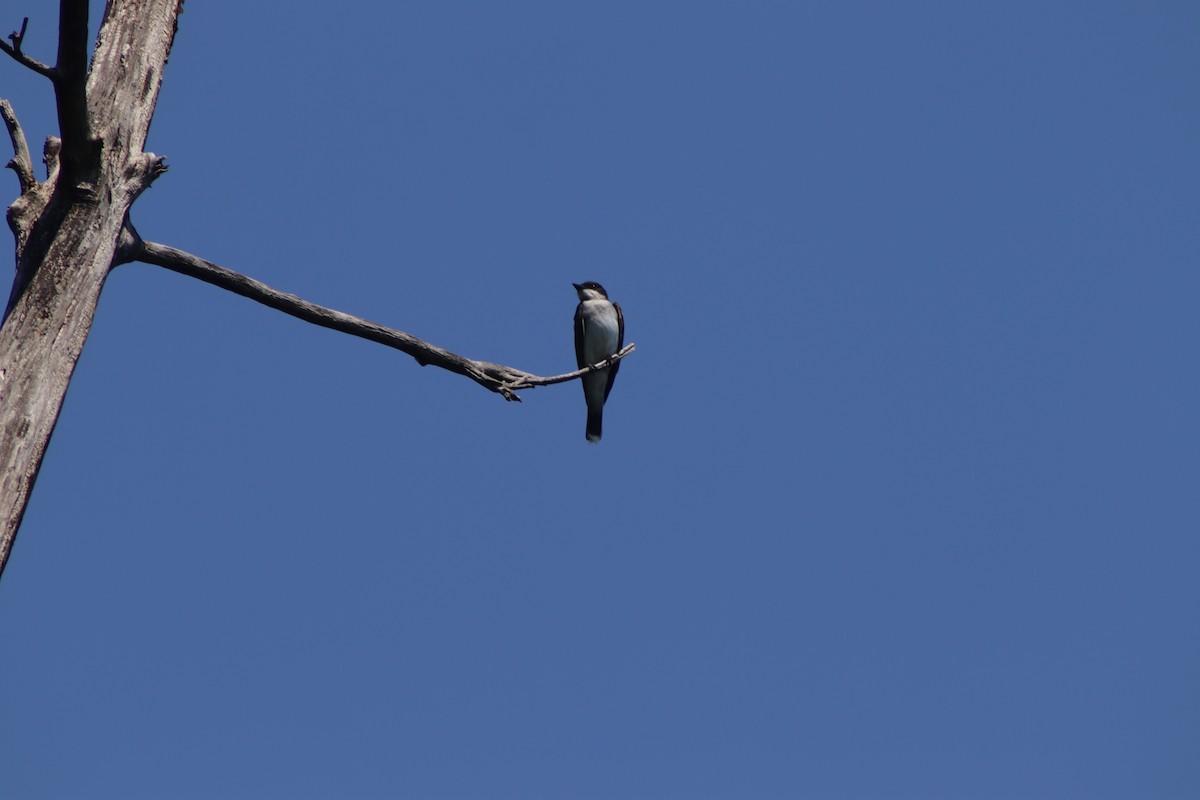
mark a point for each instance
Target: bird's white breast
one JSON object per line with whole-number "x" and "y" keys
{"x": 602, "y": 330}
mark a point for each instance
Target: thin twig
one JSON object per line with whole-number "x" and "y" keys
{"x": 21, "y": 163}
{"x": 531, "y": 381}
{"x": 498, "y": 378}
{"x": 14, "y": 50}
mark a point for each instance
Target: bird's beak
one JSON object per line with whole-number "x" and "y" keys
{"x": 577, "y": 286}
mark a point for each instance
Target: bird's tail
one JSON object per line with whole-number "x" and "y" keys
{"x": 593, "y": 424}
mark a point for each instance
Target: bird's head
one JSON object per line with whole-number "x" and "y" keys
{"x": 590, "y": 290}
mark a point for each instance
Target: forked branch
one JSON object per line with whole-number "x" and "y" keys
{"x": 503, "y": 380}
{"x": 14, "y": 50}
{"x": 70, "y": 84}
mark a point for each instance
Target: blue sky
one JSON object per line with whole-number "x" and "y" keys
{"x": 897, "y": 496}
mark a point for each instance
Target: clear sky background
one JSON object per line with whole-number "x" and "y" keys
{"x": 897, "y": 497}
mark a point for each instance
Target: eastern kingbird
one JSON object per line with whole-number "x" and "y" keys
{"x": 599, "y": 332}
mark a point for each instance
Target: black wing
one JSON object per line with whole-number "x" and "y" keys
{"x": 579, "y": 337}
{"x": 612, "y": 371}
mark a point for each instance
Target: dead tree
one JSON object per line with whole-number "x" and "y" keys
{"x": 73, "y": 227}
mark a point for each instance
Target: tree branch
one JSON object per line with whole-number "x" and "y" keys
{"x": 21, "y": 163}
{"x": 498, "y": 378}
{"x": 531, "y": 381}
{"x": 69, "y": 75}
{"x": 14, "y": 50}
{"x": 80, "y": 154}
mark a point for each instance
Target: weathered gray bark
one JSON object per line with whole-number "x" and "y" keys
{"x": 68, "y": 227}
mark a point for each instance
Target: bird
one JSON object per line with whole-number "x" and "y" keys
{"x": 599, "y": 332}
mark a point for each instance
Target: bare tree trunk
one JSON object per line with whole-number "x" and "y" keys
{"x": 68, "y": 228}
